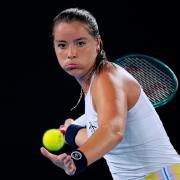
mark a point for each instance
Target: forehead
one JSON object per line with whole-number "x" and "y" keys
{"x": 70, "y": 30}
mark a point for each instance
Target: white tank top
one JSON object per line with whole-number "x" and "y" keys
{"x": 145, "y": 147}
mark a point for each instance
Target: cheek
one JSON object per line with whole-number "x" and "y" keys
{"x": 59, "y": 53}
{"x": 91, "y": 51}
{"x": 60, "y": 57}
{"x": 93, "y": 54}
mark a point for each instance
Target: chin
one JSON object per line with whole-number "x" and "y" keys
{"x": 74, "y": 74}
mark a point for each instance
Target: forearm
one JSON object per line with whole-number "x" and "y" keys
{"x": 76, "y": 135}
{"x": 101, "y": 142}
{"x": 105, "y": 138}
{"x": 81, "y": 137}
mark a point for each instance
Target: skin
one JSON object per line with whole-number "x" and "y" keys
{"x": 76, "y": 51}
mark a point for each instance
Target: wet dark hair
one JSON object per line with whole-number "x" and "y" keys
{"x": 85, "y": 17}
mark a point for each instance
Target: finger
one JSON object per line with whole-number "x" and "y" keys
{"x": 47, "y": 154}
{"x": 61, "y": 126}
{"x": 56, "y": 159}
{"x": 70, "y": 168}
{"x": 71, "y": 171}
{"x": 68, "y": 122}
{"x": 67, "y": 160}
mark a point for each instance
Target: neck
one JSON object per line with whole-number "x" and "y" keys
{"x": 84, "y": 85}
{"x": 85, "y": 82}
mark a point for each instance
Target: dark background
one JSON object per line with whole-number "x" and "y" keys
{"x": 35, "y": 94}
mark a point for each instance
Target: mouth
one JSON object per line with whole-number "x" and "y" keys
{"x": 71, "y": 66}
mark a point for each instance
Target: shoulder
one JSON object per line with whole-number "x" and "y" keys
{"x": 115, "y": 74}
{"x": 109, "y": 80}
{"x": 115, "y": 81}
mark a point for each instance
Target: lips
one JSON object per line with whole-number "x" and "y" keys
{"x": 71, "y": 66}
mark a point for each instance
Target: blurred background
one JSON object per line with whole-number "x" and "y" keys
{"x": 36, "y": 95}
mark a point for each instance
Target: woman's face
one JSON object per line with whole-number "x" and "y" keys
{"x": 75, "y": 48}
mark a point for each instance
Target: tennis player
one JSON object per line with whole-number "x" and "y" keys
{"x": 120, "y": 123}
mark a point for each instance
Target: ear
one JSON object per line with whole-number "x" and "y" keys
{"x": 99, "y": 41}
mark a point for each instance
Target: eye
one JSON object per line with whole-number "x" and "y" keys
{"x": 81, "y": 43}
{"x": 61, "y": 45}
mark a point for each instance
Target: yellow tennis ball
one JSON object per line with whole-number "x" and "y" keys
{"x": 53, "y": 139}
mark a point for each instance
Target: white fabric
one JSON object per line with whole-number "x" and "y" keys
{"x": 145, "y": 146}
{"x": 80, "y": 121}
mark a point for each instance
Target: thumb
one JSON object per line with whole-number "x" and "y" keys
{"x": 47, "y": 154}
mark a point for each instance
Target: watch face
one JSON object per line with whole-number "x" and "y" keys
{"x": 76, "y": 155}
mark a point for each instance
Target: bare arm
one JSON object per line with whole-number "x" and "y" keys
{"x": 81, "y": 137}
{"x": 110, "y": 102}
{"x": 64, "y": 160}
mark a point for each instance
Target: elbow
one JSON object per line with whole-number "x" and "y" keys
{"x": 118, "y": 136}
{"x": 116, "y": 130}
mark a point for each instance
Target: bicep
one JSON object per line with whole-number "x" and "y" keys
{"x": 110, "y": 102}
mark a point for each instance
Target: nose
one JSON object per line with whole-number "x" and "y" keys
{"x": 71, "y": 52}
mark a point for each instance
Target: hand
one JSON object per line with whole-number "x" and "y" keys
{"x": 63, "y": 161}
{"x": 67, "y": 123}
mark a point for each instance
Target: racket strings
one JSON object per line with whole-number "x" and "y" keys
{"x": 157, "y": 82}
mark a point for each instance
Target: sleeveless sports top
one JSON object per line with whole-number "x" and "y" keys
{"x": 145, "y": 146}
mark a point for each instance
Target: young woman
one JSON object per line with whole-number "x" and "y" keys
{"x": 120, "y": 123}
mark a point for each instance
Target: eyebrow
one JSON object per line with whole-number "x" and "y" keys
{"x": 78, "y": 39}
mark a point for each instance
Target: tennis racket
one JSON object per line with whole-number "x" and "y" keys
{"x": 157, "y": 80}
